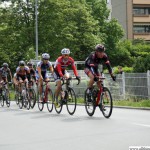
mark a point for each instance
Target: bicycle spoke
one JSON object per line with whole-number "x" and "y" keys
{"x": 50, "y": 100}
{"x": 71, "y": 101}
{"x": 106, "y": 104}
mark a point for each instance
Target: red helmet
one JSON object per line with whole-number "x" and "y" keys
{"x": 100, "y": 48}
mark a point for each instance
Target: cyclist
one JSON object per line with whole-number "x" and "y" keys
{"x": 92, "y": 62}
{"x": 32, "y": 71}
{"x": 4, "y": 71}
{"x": 22, "y": 73}
{"x": 60, "y": 71}
{"x": 41, "y": 71}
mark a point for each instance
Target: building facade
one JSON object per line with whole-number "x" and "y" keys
{"x": 134, "y": 16}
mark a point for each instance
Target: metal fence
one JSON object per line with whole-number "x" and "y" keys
{"x": 127, "y": 85}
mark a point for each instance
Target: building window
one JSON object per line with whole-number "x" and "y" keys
{"x": 141, "y": 11}
{"x": 141, "y": 28}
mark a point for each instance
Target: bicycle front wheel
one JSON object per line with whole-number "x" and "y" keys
{"x": 32, "y": 97}
{"x": 40, "y": 103}
{"x": 7, "y": 97}
{"x": 89, "y": 103}
{"x": 17, "y": 97}
{"x": 20, "y": 101}
{"x": 59, "y": 109}
{"x": 50, "y": 100}
{"x": 71, "y": 101}
{"x": 106, "y": 104}
{"x": 1, "y": 100}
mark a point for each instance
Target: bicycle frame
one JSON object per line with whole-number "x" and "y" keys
{"x": 45, "y": 96}
{"x": 98, "y": 100}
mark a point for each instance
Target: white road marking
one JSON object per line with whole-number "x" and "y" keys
{"x": 144, "y": 125}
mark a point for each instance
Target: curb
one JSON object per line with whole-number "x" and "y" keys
{"x": 128, "y": 107}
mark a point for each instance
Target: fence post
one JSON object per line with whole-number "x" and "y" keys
{"x": 148, "y": 83}
{"x": 123, "y": 85}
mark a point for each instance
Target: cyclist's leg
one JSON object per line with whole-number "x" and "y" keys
{"x": 58, "y": 86}
{"x": 1, "y": 85}
{"x": 91, "y": 76}
{"x": 90, "y": 84}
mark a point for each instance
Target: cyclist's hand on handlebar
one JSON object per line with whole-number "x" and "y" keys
{"x": 113, "y": 77}
{"x": 78, "y": 77}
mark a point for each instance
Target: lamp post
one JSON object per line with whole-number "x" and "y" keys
{"x": 36, "y": 28}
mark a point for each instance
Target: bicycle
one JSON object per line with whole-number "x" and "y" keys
{"x": 67, "y": 97}
{"x": 100, "y": 97}
{"x": 47, "y": 97}
{"x": 23, "y": 96}
{"x": 32, "y": 94}
{"x": 5, "y": 95}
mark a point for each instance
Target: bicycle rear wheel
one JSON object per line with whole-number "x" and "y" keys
{"x": 71, "y": 101}
{"x": 50, "y": 100}
{"x": 59, "y": 109}
{"x": 32, "y": 97}
{"x": 90, "y": 105}
{"x": 106, "y": 104}
{"x": 40, "y": 103}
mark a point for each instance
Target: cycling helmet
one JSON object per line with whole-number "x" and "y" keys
{"x": 29, "y": 64}
{"x": 45, "y": 56}
{"x": 65, "y": 51}
{"x": 100, "y": 48}
{"x": 5, "y": 65}
{"x": 21, "y": 63}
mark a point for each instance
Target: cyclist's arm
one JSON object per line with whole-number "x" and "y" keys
{"x": 39, "y": 71}
{"x": 51, "y": 69}
{"x": 10, "y": 75}
{"x": 59, "y": 70}
{"x": 74, "y": 67}
{"x": 109, "y": 67}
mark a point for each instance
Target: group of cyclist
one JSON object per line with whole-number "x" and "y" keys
{"x": 26, "y": 73}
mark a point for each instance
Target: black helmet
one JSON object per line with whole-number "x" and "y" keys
{"x": 21, "y": 63}
{"x": 5, "y": 65}
{"x": 29, "y": 64}
{"x": 100, "y": 48}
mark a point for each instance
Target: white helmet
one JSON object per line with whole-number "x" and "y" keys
{"x": 45, "y": 56}
{"x": 65, "y": 51}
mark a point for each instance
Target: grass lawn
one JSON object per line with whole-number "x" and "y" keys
{"x": 131, "y": 103}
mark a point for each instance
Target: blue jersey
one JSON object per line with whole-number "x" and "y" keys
{"x": 43, "y": 66}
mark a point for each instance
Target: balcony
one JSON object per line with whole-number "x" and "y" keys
{"x": 145, "y": 36}
{"x": 141, "y": 2}
{"x": 141, "y": 18}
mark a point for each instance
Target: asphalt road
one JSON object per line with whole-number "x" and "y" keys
{"x": 35, "y": 130}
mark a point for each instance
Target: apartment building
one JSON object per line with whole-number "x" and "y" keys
{"x": 134, "y": 16}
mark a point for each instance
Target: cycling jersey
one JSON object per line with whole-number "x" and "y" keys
{"x": 22, "y": 72}
{"x": 4, "y": 72}
{"x": 92, "y": 62}
{"x": 44, "y": 68}
{"x": 61, "y": 64}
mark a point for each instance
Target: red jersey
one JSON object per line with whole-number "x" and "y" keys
{"x": 61, "y": 64}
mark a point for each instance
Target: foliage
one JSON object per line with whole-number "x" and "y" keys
{"x": 76, "y": 24}
{"x": 142, "y": 64}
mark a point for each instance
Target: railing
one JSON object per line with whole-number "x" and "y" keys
{"x": 127, "y": 85}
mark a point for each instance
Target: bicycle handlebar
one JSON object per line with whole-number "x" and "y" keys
{"x": 70, "y": 78}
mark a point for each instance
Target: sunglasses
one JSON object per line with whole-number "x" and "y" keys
{"x": 46, "y": 59}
